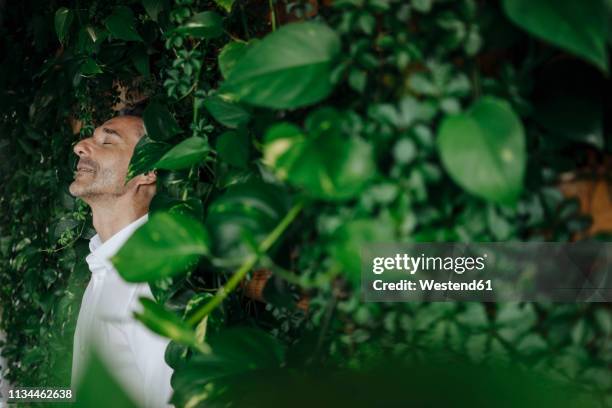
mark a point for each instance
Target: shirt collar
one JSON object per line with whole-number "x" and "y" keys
{"x": 102, "y": 251}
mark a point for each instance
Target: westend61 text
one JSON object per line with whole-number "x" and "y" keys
{"x": 432, "y": 285}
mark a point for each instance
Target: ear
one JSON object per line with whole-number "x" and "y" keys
{"x": 147, "y": 178}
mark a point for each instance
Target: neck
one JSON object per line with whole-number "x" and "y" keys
{"x": 111, "y": 216}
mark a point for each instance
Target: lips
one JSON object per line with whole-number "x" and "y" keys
{"x": 85, "y": 169}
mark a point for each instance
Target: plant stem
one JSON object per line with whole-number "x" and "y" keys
{"x": 272, "y": 14}
{"x": 246, "y": 266}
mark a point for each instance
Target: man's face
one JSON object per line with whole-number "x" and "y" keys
{"x": 104, "y": 158}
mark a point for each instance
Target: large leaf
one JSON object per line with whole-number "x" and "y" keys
{"x": 227, "y": 113}
{"x": 159, "y": 122}
{"x": 166, "y": 245}
{"x": 97, "y": 381}
{"x": 240, "y": 218}
{"x": 187, "y": 153}
{"x": 167, "y": 324}
{"x": 349, "y": 238}
{"x": 121, "y": 24}
{"x": 578, "y": 27}
{"x": 207, "y": 24}
{"x": 289, "y": 68}
{"x": 236, "y": 353}
{"x": 483, "y": 150}
{"x": 233, "y": 147}
{"x": 327, "y": 163}
{"x": 63, "y": 20}
{"x": 146, "y": 155}
{"x": 230, "y": 54}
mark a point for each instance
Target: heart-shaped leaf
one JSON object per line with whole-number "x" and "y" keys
{"x": 327, "y": 163}
{"x": 146, "y": 155}
{"x": 289, "y": 68}
{"x": 121, "y": 24}
{"x": 166, "y": 245}
{"x": 185, "y": 154}
{"x": 227, "y": 113}
{"x": 578, "y": 27}
{"x": 63, "y": 20}
{"x": 483, "y": 150}
{"x": 230, "y": 54}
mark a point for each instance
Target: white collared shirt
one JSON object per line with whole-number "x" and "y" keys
{"x": 133, "y": 354}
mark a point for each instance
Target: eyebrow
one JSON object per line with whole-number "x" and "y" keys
{"x": 111, "y": 132}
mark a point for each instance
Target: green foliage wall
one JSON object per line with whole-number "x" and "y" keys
{"x": 294, "y": 132}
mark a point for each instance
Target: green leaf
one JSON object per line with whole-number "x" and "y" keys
{"x": 350, "y": 237}
{"x": 236, "y": 353}
{"x": 166, "y": 245}
{"x": 97, "y": 381}
{"x": 154, "y": 7}
{"x": 483, "y": 150}
{"x": 160, "y": 124}
{"x": 121, "y": 24}
{"x": 289, "y": 68}
{"x": 187, "y": 153}
{"x": 327, "y": 164}
{"x": 206, "y": 25}
{"x": 242, "y": 217}
{"x": 230, "y": 54}
{"x": 233, "y": 148}
{"x": 90, "y": 67}
{"x": 63, "y": 20}
{"x": 167, "y": 324}
{"x": 227, "y": 113}
{"x": 577, "y": 27}
{"x": 191, "y": 207}
{"x": 140, "y": 58}
{"x": 225, "y": 4}
{"x": 146, "y": 155}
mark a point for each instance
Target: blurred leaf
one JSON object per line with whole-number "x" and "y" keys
{"x": 227, "y": 113}
{"x": 206, "y": 25}
{"x": 121, "y": 24}
{"x": 237, "y": 353}
{"x": 230, "y": 54}
{"x": 191, "y": 207}
{"x": 233, "y": 148}
{"x": 159, "y": 122}
{"x": 166, "y": 245}
{"x": 243, "y": 216}
{"x": 97, "y": 381}
{"x": 168, "y": 324}
{"x": 225, "y": 4}
{"x": 289, "y": 68}
{"x": 579, "y": 28}
{"x": 350, "y": 237}
{"x": 327, "y": 164}
{"x": 154, "y": 7}
{"x": 185, "y": 154}
{"x": 483, "y": 150}
{"x": 63, "y": 20}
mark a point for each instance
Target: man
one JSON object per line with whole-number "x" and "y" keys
{"x": 133, "y": 354}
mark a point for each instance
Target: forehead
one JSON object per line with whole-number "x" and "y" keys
{"x": 129, "y": 127}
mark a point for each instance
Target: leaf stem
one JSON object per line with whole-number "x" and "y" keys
{"x": 246, "y": 266}
{"x": 272, "y": 14}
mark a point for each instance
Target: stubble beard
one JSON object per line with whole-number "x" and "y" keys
{"x": 100, "y": 185}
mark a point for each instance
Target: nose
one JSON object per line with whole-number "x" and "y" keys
{"x": 82, "y": 148}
